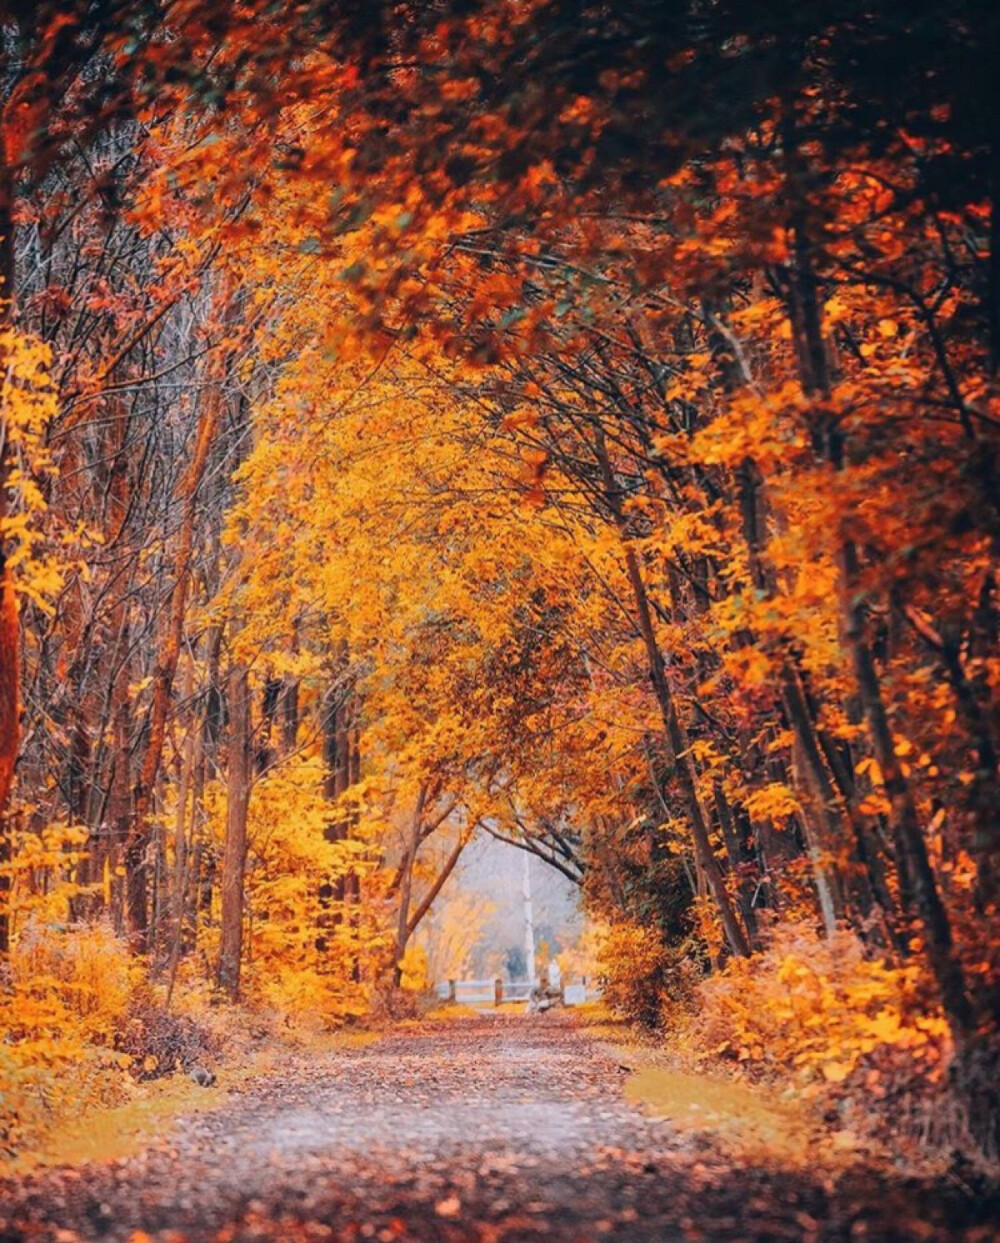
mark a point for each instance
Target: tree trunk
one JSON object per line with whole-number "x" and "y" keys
{"x": 235, "y": 849}
{"x": 680, "y": 746}
{"x": 741, "y": 863}
{"x": 429, "y": 898}
{"x": 10, "y": 644}
{"x": 289, "y": 714}
{"x": 826, "y": 816}
{"x": 139, "y": 838}
{"x": 336, "y": 759}
{"x": 912, "y": 860}
{"x": 181, "y": 845}
{"x": 406, "y": 886}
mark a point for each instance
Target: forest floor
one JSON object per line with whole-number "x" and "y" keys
{"x": 497, "y": 1128}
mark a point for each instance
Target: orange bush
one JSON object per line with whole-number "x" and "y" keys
{"x": 642, "y": 975}
{"x": 819, "y": 1009}
{"x": 62, "y": 995}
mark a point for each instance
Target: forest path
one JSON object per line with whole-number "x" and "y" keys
{"x": 497, "y": 1129}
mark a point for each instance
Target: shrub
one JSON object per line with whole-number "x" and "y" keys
{"x": 643, "y": 978}
{"x": 157, "y": 1041}
{"x": 390, "y": 1005}
{"x": 820, "y": 1008}
{"x": 84, "y": 969}
{"x": 63, "y": 991}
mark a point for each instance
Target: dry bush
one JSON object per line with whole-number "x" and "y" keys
{"x": 159, "y": 1041}
{"x": 390, "y": 1005}
{"x": 331, "y": 993}
{"x": 865, "y": 1040}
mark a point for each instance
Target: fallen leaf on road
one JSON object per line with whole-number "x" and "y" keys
{"x": 449, "y": 1207}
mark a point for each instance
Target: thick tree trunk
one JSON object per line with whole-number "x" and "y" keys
{"x": 289, "y": 714}
{"x": 336, "y": 759}
{"x": 342, "y": 755}
{"x": 179, "y": 886}
{"x": 119, "y": 797}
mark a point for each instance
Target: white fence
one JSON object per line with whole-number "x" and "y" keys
{"x": 497, "y": 992}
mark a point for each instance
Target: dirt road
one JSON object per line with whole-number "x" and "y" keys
{"x": 497, "y": 1129}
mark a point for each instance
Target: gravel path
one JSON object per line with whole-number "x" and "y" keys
{"x": 498, "y": 1129}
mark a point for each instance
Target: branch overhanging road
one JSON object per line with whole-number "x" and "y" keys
{"x": 498, "y": 1129}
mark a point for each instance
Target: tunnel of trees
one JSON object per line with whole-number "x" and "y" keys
{"x": 569, "y": 421}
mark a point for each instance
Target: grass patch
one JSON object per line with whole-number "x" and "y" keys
{"x": 601, "y": 1023}
{"x": 750, "y": 1120}
{"x": 110, "y": 1134}
{"x": 746, "y": 1117}
{"x": 85, "y": 1129}
{"x": 450, "y": 1011}
{"x": 346, "y": 1038}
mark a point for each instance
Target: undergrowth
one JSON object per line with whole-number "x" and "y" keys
{"x": 82, "y": 1025}
{"x": 863, "y": 1041}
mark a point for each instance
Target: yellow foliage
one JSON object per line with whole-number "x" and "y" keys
{"x": 289, "y": 860}
{"x": 819, "y": 1008}
{"x": 415, "y": 978}
{"x": 64, "y": 991}
{"x": 582, "y": 960}
{"x": 775, "y": 801}
{"x": 29, "y": 402}
{"x": 642, "y": 975}
{"x": 450, "y": 933}
{"x": 54, "y": 851}
{"x": 85, "y": 969}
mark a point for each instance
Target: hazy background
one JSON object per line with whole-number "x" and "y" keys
{"x": 476, "y": 929}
